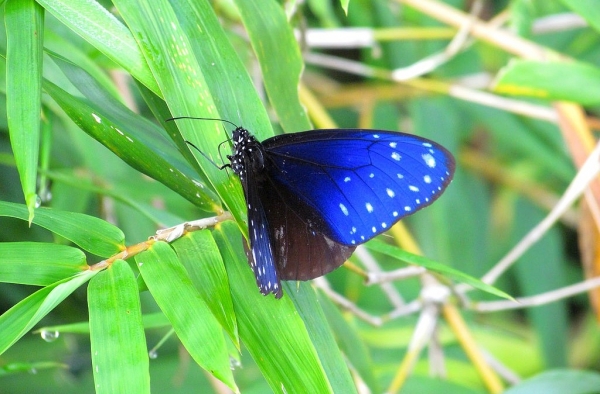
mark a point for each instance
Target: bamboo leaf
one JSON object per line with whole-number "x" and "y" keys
{"x": 194, "y": 323}
{"x": 90, "y": 233}
{"x": 40, "y": 264}
{"x": 19, "y": 319}
{"x": 24, "y": 39}
{"x": 270, "y": 329}
{"x": 119, "y": 355}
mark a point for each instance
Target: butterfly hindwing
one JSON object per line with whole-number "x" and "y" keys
{"x": 301, "y": 251}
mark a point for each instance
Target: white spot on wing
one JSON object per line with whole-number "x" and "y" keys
{"x": 427, "y": 179}
{"x": 413, "y": 188}
{"x": 369, "y": 207}
{"x": 344, "y": 209}
{"x": 396, "y": 156}
{"x": 429, "y": 160}
{"x": 390, "y": 192}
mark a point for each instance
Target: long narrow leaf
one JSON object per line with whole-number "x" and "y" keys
{"x": 115, "y": 135}
{"x": 25, "y": 32}
{"x": 271, "y": 329}
{"x": 194, "y": 323}
{"x": 37, "y": 263}
{"x": 308, "y": 307}
{"x": 19, "y": 319}
{"x": 90, "y": 233}
{"x": 119, "y": 355}
{"x": 101, "y": 29}
{"x": 433, "y": 266}
{"x": 270, "y": 33}
{"x": 200, "y": 256}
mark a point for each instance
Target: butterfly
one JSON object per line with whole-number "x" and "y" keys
{"x": 313, "y": 196}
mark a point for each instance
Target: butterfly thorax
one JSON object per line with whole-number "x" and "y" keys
{"x": 248, "y": 153}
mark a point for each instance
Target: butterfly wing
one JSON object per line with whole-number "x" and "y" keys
{"x": 300, "y": 250}
{"x": 354, "y": 184}
{"x": 260, "y": 253}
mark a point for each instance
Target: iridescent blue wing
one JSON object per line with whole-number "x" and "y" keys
{"x": 355, "y": 184}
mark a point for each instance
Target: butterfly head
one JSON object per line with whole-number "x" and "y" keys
{"x": 247, "y": 153}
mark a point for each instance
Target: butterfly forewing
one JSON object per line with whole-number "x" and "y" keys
{"x": 359, "y": 181}
{"x": 260, "y": 253}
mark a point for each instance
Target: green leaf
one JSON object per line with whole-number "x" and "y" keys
{"x": 271, "y": 33}
{"x": 88, "y": 232}
{"x": 119, "y": 355}
{"x": 24, "y": 38}
{"x": 199, "y": 74}
{"x": 345, "y": 4}
{"x": 578, "y": 82}
{"x": 309, "y": 308}
{"x": 350, "y": 343}
{"x": 149, "y": 321}
{"x": 446, "y": 271}
{"x": 200, "y": 255}
{"x": 116, "y": 133}
{"x": 559, "y": 382}
{"x": 194, "y": 323}
{"x": 587, "y": 9}
{"x": 40, "y": 264}
{"x": 105, "y": 32}
{"x": 19, "y": 319}
{"x": 18, "y": 368}
{"x": 270, "y": 329}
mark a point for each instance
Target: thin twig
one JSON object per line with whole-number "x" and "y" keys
{"x": 586, "y": 174}
{"x": 454, "y": 90}
{"x": 538, "y": 299}
{"x": 321, "y": 283}
{"x": 373, "y": 268}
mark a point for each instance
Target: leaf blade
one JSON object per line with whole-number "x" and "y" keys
{"x": 196, "y": 327}
{"x": 118, "y": 343}
{"x": 25, "y": 32}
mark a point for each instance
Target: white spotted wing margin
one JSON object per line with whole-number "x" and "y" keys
{"x": 260, "y": 253}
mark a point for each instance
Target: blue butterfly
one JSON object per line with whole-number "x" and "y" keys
{"x": 313, "y": 196}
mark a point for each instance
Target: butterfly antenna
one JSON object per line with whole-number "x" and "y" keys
{"x": 208, "y": 158}
{"x": 192, "y": 117}
{"x": 195, "y": 147}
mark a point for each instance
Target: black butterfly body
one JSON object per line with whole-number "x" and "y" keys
{"x": 313, "y": 196}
